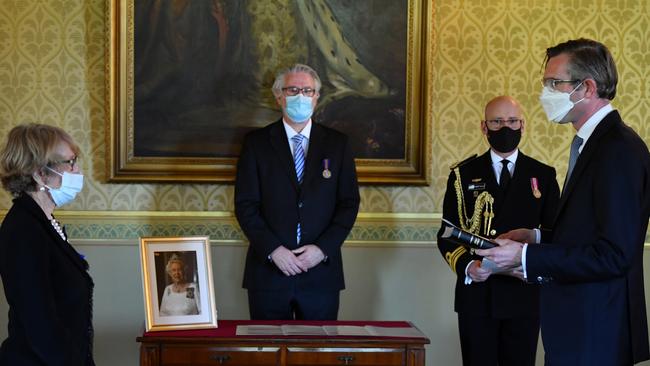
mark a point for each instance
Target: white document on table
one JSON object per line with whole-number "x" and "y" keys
{"x": 345, "y": 330}
{"x": 249, "y": 330}
{"x": 409, "y": 332}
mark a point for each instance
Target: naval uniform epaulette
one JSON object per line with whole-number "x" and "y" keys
{"x": 462, "y": 162}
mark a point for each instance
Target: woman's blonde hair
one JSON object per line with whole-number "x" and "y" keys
{"x": 29, "y": 148}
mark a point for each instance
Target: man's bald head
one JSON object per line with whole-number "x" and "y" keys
{"x": 503, "y": 124}
{"x": 503, "y": 107}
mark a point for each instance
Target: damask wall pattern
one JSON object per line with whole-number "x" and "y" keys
{"x": 52, "y": 70}
{"x": 488, "y": 48}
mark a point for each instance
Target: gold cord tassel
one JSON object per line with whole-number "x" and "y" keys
{"x": 482, "y": 204}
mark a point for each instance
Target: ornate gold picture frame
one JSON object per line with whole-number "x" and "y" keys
{"x": 177, "y": 283}
{"x": 186, "y": 80}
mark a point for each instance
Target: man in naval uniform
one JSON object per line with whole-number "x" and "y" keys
{"x": 503, "y": 189}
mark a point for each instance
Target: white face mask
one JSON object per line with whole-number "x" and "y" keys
{"x": 557, "y": 104}
{"x": 71, "y": 184}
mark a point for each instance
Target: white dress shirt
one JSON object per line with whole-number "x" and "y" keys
{"x": 291, "y": 133}
{"x": 497, "y": 166}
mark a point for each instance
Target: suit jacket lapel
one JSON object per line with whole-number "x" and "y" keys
{"x": 585, "y": 156}
{"x": 317, "y": 143}
{"x": 491, "y": 179}
{"x": 517, "y": 183}
{"x": 280, "y": 144}
{"x": 69, "y": 251}
{"x": 30, "y": 205}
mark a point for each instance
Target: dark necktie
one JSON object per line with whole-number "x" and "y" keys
{"x": 504, "y": 178}
{"x": 573, "y": 157}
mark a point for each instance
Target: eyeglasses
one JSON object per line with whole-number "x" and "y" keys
{"x": 552, "y": 83}
{"x": 72, "y": 162}
{"x": 291, "y": 91}
{"x": 513, "y": 123}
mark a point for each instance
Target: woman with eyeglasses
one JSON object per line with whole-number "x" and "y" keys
{"x": 46, "y": 281}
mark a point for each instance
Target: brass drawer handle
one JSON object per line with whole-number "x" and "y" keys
{"x": 220, "y": 358}
{"x": 346, "y": 359}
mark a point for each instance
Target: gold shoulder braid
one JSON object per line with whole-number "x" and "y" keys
{"x": 483, "y": 204}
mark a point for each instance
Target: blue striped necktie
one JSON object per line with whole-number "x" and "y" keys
{"x": 299, "y": 161}
{"x": 298, "y": 156}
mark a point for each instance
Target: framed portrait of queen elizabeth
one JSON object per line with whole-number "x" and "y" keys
{"x": 177, "y": 283}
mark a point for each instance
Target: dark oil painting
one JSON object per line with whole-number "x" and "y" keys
{"x": 203, "y": 71}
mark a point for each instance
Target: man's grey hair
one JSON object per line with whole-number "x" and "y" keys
{"x": 278, "y": 84}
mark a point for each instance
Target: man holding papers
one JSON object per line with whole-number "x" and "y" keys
{"x": 591, "y": 263}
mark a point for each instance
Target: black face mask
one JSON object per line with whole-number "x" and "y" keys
{"x": 505, "y": 139}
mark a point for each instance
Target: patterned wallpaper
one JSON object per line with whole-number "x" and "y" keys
{"x": 52, "y": 71}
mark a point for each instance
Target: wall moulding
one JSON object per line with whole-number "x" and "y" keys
{"x": 371, "y": 229}
{"x": 125, "y": 227}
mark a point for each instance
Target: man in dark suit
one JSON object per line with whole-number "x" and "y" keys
{"x": 296, "y": 199}
{"x": 498, "y": 314}
{"x": 591, "y": 264}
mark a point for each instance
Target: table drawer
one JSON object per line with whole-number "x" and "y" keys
{"x": 174, "y": 355}
{"x": 345, "y": 356}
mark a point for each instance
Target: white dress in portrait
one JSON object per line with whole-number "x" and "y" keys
{"x": 186, "y": 302}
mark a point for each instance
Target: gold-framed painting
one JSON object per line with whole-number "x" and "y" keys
{"x": 177, "y": 283}
{"x": 186, "y": 80}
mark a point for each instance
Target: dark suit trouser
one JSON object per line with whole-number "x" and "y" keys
{"x": 291, "y": 304}
{"x": 502, "y": 342}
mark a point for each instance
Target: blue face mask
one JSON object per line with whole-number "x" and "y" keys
{"x": 71, "y": 184}
{"x": 299, "y": 108}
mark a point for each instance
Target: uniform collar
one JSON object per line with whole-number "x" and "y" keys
{"x": 496, "y": 159}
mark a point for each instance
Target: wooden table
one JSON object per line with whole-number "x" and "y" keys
{"x": 222, "y": 346}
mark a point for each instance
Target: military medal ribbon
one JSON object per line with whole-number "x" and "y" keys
{"x": 326, "y": 169}
{"x": 535, "y": 187}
